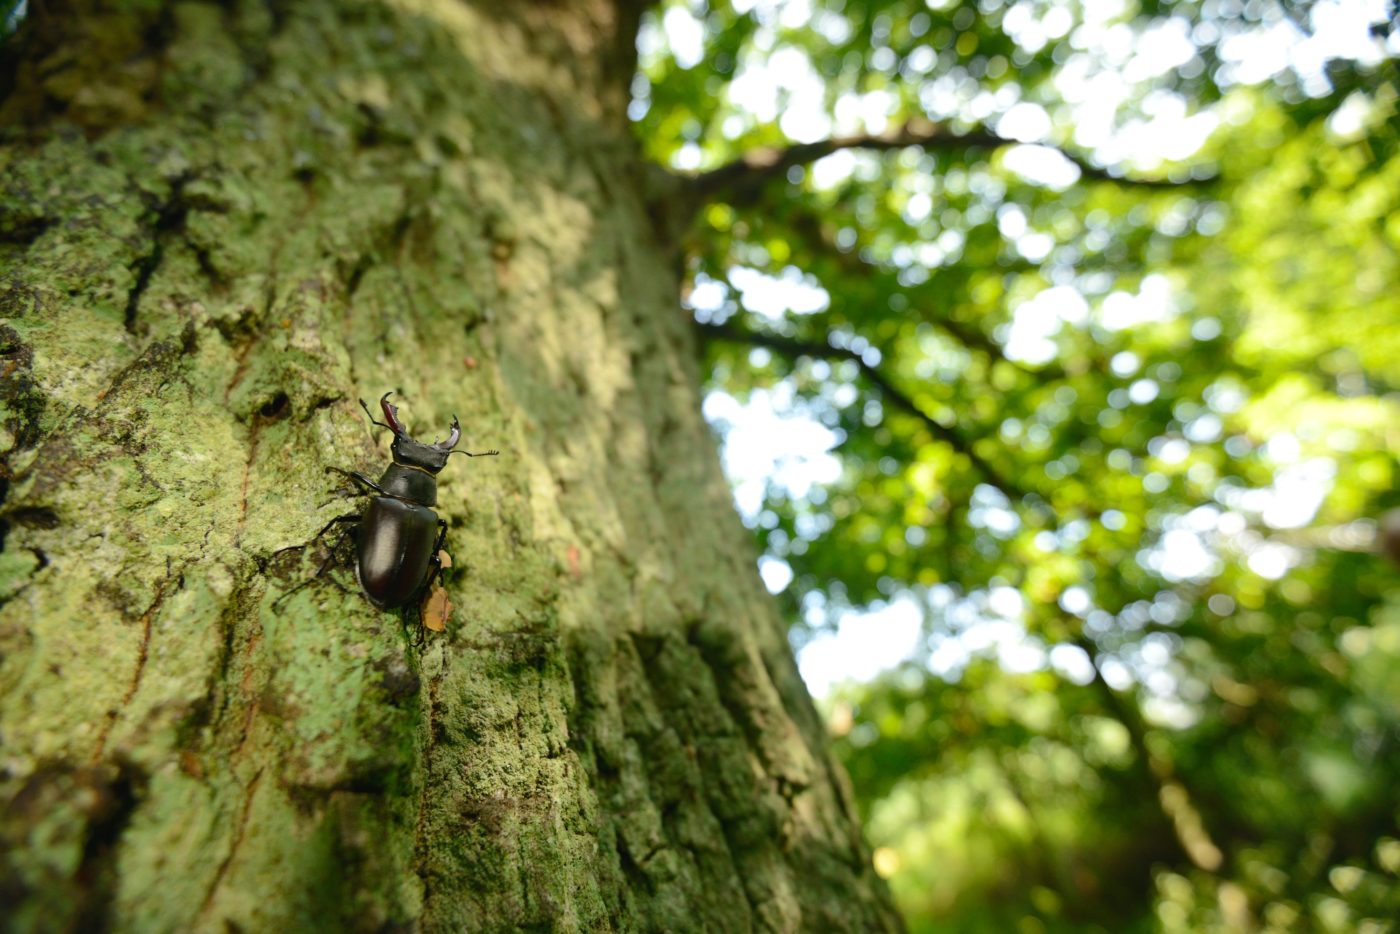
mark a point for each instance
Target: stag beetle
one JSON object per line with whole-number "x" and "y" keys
{"x": 398, "y": 537}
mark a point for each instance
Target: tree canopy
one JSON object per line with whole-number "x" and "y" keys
{"x": 1093, "y": 306}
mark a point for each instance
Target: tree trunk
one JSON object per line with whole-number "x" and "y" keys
{"x": 219, "y": 226}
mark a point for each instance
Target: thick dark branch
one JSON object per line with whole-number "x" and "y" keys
{"x": 757, "y": 167}
{"x": 792, "y": 347}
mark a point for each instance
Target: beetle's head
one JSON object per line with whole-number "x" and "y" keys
{"x": 410, "y": 453}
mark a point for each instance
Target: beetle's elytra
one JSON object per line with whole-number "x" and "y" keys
{"x": 398, "y": 536}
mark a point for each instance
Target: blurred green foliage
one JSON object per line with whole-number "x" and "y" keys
{"x": 11, "y": 13}
{"x": 1150, "y": 422}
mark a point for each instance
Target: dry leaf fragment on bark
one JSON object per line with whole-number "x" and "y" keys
{"x": 437, "y": 609}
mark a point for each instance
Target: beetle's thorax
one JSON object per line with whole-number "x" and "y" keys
{"x": 410, "y": 483}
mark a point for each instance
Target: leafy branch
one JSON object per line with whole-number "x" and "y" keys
{"x": 794, "y": 347}
{"x": 850, "y": 262}
{"x": 757, "y": 167}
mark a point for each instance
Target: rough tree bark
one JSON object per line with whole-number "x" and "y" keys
{"x": 219, "y": 226}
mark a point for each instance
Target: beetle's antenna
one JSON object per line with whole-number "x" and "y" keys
{"x": 364, "y": 405}
{"x": 478, "y": 454}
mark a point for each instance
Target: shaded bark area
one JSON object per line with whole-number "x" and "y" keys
{"x": 220, "y": 225}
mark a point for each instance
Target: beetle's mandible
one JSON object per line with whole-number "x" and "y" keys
{"x": 398, "y": 535}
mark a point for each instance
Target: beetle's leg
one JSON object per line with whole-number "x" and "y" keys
{"x": 321, "y": 571}
{"x": 324, "y": 568}
{"x": 338, "y": 585}
{"x": 421, "y": 639}
{"x": 415, "y": 606}
{"x": 359, "y": 478}
{"x": 434, "y": 563}
{"x": 343, "y": 493}
{"x": 434, "y": 568}
{"x": 335, "y": 556}
{"x": 348, "y": 517}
